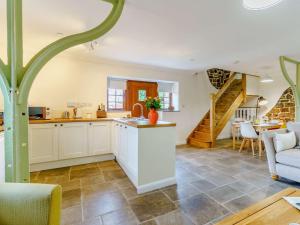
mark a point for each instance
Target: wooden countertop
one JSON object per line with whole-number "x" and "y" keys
{"x": 135, "y": 123}
{"x": 60, "y": 120}
{"x": 146, "y": 124}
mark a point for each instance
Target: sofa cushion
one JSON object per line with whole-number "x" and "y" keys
{"x": 294, "y": 126}
{"x": 289, "y": 157}
{"x": 284, "y": 141}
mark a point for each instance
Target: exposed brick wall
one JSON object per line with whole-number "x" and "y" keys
{"x": 284, "y": 109}
{"x": 218, "y": 77}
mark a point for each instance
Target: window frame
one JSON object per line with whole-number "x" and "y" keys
{"x": 169, "y": 109}
{"x": 115, "y": 102}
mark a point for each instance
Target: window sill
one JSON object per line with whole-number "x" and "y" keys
{"x": 170, "y": 111}
{"x": 117, "y": 111}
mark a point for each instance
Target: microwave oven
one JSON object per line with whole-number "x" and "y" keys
{"x": 38, "y": 113}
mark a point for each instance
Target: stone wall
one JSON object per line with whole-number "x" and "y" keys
{"x": 284, "y": 109}
{"x": 218, "y": 77}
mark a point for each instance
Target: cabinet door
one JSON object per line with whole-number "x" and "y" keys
{"x": 99, "y": 138}
{"x": 132, "y": 149}
{"x": 114, "y": 138}
{"x": 123, "y": 144}
{"x": 73, "y": 140}
{"x": 43, "y": 143}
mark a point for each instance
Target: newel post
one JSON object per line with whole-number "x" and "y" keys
{"x": 212, "y": 118}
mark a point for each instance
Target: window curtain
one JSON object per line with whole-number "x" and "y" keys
{"x": 117, "y": 84}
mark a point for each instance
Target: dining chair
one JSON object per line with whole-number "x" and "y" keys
{"x": 248, "y": 134}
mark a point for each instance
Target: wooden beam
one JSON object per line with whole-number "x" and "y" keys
{"x": 46, "y": 54}
{"x": 4, "y": 84}
{"x": 21, "y": 79}
{"x": 295, "y": 86}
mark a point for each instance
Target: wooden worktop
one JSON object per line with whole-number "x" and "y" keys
{"x": 145, "y": 123}
{"x": 61, "y": 120}
{"x": 137, "y": 124}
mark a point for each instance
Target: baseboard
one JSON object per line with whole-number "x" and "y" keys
{"x": 156, "y": 185}
{"x": 70, "y": 162}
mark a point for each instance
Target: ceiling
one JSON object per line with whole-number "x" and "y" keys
{"x": 181, "y": 34}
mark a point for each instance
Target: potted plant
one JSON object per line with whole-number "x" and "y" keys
{"x": 153, "y": 104}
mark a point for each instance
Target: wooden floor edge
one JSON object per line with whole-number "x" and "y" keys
{"x": 251, "y": 210}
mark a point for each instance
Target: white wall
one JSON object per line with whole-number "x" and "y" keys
{"x": 272, "y": 92}
{"x": 68, "y": 79}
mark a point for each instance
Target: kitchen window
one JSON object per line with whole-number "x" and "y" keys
{"x": 115, "y": 99}
{"x": 116, "y": 94}
{"x": 168, "y": 94}
{"x": 166, "y": 100}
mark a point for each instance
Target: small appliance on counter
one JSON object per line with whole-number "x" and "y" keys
{"x": 77, "y": 113}
{"x": 39, "y": 113}
{"x": 66, "y": 115}
{"x": 101, "y": 113}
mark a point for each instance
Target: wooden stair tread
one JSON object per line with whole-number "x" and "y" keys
{"x": 200, "y": 140}
{"x": 226, "y": 101}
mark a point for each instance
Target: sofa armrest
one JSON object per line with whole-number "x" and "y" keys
{"x": 30, "y": 204}
{"x": 267, "y": 137}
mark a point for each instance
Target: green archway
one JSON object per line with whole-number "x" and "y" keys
{"x": 294, "y": 86}
{"x": 16, "y": 81}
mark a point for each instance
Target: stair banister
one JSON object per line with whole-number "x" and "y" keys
{"x": 212, "y": 118}
{"x": 241, "y": 98}
{"x": 225, "y": 86}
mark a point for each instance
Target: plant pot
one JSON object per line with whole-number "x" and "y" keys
{"x": 153, "y": 117}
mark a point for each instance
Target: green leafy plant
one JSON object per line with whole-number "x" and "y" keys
{"x": 153, "y": 103}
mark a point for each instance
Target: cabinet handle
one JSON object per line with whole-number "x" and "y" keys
{"x": 91, "y": 124}
{"x": 125, "y": 127}
{"x": 121, "y": 126}
{"x": 117, "y": 125}
{"x": 61, "y": 125}
{"x": 55, "y": 125}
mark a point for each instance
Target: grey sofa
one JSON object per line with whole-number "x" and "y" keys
{"x": 286, "y": 163}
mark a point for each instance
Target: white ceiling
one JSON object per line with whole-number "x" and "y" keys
{"x": 181, "y": 34}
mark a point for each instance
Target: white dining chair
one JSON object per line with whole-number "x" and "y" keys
{"x": 249, "y": 135}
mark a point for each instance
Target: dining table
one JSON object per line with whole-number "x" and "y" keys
{"x": 259, "y": 128}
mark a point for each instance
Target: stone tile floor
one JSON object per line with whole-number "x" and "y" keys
{"x": 211, "y": 184}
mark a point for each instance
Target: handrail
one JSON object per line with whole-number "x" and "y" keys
{"x": 225, "y": 86}
{"x": 222, "y": 122}
{"x": 214, "y": 127}
{"x": 212, "y": 119}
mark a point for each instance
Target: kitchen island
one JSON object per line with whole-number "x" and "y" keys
{"x": 145, "y": 152}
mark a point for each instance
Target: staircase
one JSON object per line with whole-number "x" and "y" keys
{"x": 223, "y": 106}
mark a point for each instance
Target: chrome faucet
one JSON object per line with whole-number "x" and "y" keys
{"x": 142, "y": 109}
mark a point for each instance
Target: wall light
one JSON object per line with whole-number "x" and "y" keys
{"x": 266, "y": 79}
{"x": 260, "y": 4}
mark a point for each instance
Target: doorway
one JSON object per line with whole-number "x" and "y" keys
{"x": 137, "y": 92}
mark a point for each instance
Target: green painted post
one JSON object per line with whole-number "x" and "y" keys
{"x": 16, "y": 81}
{"x": 295, "y": 86}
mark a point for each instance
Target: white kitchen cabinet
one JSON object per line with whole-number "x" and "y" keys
{"x": 122, "y": 144}
{"x": 132, "y": 149}
{"x": 52, "y": 142}
{"x": 147, "y": 155}
{"x": 114, "y": 138}
{"x": 43, "y": 143}
{"x": 99, "y": 138}
{"x": 126, "y": 147}
{"x": 73, "y": 139}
